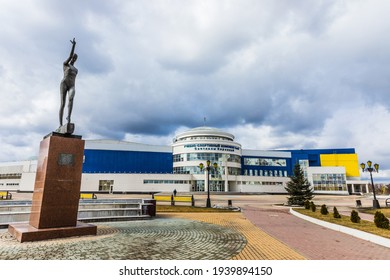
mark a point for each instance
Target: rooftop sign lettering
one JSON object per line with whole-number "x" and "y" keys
{"x": 212, "y": 147}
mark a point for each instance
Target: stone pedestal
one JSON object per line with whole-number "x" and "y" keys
{"x": 26, "y": 232}
{"x": 57, "y": 191}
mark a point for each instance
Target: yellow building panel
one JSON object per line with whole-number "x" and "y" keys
{"x": 349, "y": 161}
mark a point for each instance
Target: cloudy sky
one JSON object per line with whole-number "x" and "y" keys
{"x": 276, "y": 73}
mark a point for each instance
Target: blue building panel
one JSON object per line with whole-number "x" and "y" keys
{"x": 109, "y": 161}
{"x": 116, "y": 161}
{"x": 313, "y": 156}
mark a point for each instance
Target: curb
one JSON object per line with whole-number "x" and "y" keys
{"x": 354, "y": 232}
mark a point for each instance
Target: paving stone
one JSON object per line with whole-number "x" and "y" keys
{"x": 179, "y": 239}
{"x": 261, "y": 232}
{"x": 313, "y": 241}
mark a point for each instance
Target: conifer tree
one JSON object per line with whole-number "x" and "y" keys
{"x": 298, "y": 188}
{"x": 336, "y": 213}
{"x": 324, "y": 210}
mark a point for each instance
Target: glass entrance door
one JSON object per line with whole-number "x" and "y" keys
{"x": 217, "y": 186}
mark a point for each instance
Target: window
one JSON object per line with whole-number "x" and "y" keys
{"x": 166, "y": 182}
{"x": 304, "y": 163}
{"x": 213, "y": 157}
{"x": 105, "y": 185}
{"x": 261, "y": 183}
{"x": 178, "y": 158}
{"x": 329, "y": 182}
{"x": 11, "y": 176}
{"x": 265, "y": 161}
{"x": 234, "y": 171}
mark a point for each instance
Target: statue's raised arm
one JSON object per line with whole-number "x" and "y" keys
{"x": 71, "y": 52}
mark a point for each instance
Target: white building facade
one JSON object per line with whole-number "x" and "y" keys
{"x": 125, "y": 167}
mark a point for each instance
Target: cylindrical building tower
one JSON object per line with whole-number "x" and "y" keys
{"x": 200, "y": 144}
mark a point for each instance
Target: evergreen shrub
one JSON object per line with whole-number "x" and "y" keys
{"x": 355, "y": 217}
{"x": 336, "y": 213}
{"x": 307, "y": 204}
{"x": 312, "y": 206}
{"x": 380, "y": 220}
{"x": 324, "y": 210}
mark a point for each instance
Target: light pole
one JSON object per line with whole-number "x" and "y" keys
{"x": 208, "y": 167}
{"x": 370, "y": 169}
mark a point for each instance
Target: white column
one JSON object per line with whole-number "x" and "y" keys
{"x": 226, "y": 178}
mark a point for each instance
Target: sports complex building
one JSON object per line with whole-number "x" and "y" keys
{"x": 125, "y": 167}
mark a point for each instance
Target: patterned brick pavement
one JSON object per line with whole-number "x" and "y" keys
{"x": 261, "y": 246}
{"x": 181, "y": 236}
{"x": 158, "y": 239}
{"x": 313, "y": 241}
{"x": 261, "y": 231}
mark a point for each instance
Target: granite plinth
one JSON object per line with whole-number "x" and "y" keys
{"x": 56, "y": 196}
{"x": 26, "y": 232}
{"x": 54, "y": 133}
{"x": 57, "y": 184}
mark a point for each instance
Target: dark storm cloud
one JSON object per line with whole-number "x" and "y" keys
{"x": 278, "y": 74}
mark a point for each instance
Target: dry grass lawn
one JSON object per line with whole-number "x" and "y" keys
{"x": 366, "y": 226}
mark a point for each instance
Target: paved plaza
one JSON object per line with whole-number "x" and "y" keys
{"x": 263, "y": 230}
{"x": 137, "y": 240}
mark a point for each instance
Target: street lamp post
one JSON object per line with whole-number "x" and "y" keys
{"x": 208, "y": 167}
{"x": 370, "y": 169}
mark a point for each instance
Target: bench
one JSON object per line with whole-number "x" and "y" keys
{"x": 172, "y": 199}
{"x": 163, "y": 197}
{"x": 5, "y": 195}
{"x": 88, "y": 196}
